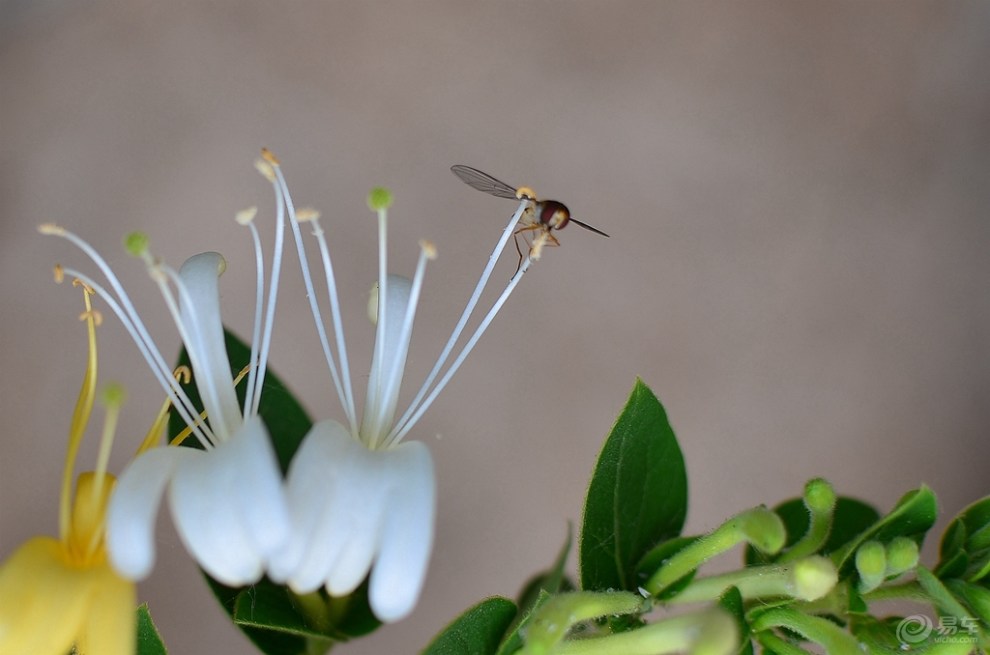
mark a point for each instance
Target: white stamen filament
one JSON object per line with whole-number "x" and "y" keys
{"x": 386, "y": 410}
{"x": 152, "y": 355}
{"x": 132, "y": 322}
{"x": 259, "y": 299}
{"x": 465, "y": 315}
{"x": 400, "y": 431}
{"x": 341, "y": 380}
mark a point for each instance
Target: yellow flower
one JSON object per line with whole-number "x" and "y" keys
{"x": 60, "y": 593}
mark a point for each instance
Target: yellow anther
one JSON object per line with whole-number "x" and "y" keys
{"x": 269, "y": 156}
{"x": 59, "y": 274}
{"x": 92, "y": 314}
{"x": 51, "y": 228}
{"x": 265, "y": 169}
{"x": 428, "y": 248}
{"x": 183, "y": 374}
{"x": 525, "y": 193}
{"x": 245, "y": 216}
{"x": 307, "y": 214}
{"x": 79, "y": 284}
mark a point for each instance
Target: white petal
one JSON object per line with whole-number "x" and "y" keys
{"x": 205, "y": 509}
{"x": 308, "y": 490}
{"x": 134, "y": 506}
{"x": 407, "y": 536}
{"x": 358, "y": 511}
{"x": 259, "y": 492}
{"x": 200, "y": 276}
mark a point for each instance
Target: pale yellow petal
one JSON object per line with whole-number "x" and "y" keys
{"x": 110, "y": 626}
{"x": 42, "y": 601}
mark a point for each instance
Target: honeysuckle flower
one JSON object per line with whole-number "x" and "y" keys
{"x": 56, "y": 593}
{"x": 227, "y": 498}
{"x": 362, "y": 498}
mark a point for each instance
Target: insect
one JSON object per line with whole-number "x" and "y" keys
{"x": 542, "y": 216}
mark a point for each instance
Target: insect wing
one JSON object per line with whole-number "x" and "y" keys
{"x": 483, "y": 182}
{"x": 587, "y": 227}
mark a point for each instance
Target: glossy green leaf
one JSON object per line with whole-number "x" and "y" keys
{"x": 850, "y": 518}
{"x": 149, "y": 642}
{"x": 478, "y": 631}
{"x": 965, "y": 546}
{"x": 912, "y": 517}
{"x": 637, "y": 497}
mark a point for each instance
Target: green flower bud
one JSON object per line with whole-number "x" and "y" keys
{"x": 819, "y": 496}
{"x": 871, "y": 563}
{"x": 814, "y": 577}
{"x": 902, "y": 555}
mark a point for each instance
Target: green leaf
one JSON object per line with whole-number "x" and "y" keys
{"x": 732, "y": 602}
{"x": 850, "y": 518}
{"x": 478, "y": 631}
{"x": 149, "y": 642}
{"x": 551, "y": 581}
{"x": 285, "y": 417}
{"x": 637, "y": 497}
{"x": 965, "y": 547}
{"x": 912, "y": 517}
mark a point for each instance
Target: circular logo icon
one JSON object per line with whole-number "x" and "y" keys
{"x": 914, "y": 629}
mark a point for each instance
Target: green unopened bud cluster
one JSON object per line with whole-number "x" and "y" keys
{"x": 877, "y": 563}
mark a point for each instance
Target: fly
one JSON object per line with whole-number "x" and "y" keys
{"x": 541, "y": 216}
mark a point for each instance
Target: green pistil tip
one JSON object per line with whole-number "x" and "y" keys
{"x": 114, "y": 395}
{"x": 379, "y": 198}
{"x": 136, "y": 243}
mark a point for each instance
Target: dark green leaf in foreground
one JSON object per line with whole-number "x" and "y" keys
{"x": 149, "y": 642}
{"x": 637, "y": 496}
{"x": 478, "y": 631}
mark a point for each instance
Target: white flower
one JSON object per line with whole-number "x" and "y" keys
{"x": 362, "y": 499}
{"x": 227, "y": 499}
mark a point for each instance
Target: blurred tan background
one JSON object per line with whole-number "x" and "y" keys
{"x": 797, "y": 195}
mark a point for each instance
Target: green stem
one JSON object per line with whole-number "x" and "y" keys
{"x": 554, "y": 619}
{"x": 758, "y": 526}
{"x": 712, "y": 632}
{"x": 831, "y": 637}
